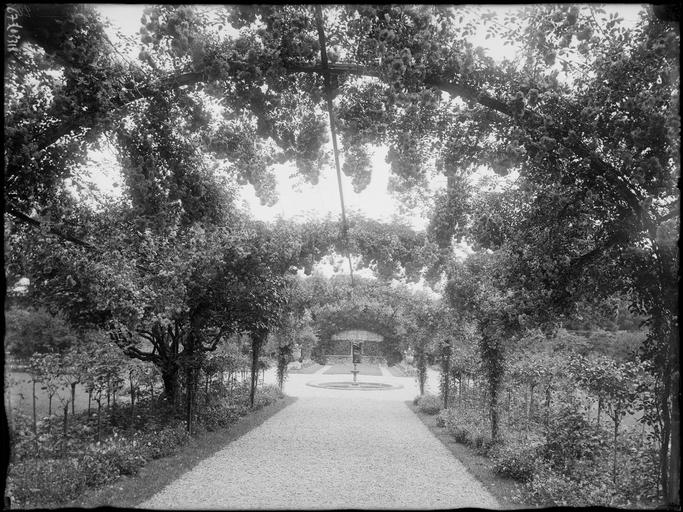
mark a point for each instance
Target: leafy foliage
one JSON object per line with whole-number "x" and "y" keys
{"x": 29, "y": 331}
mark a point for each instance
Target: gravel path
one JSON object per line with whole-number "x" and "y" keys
{"x": 331, "y": 449}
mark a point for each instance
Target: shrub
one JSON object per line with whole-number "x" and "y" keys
{"x": 515, "y": 461}
{"x": 461, "y": 434}
{"x": 429, "y": 404}
{"x": 441, "y": 418}
{"x": 44, "y": 482}
{"x": 217, "y": 416}
{"x": 123, "y": 453}
{"x": 128, "y": 461}
{"x": 321, "y": 359}
{"x": 551, "y": 488}
{"x": 165, "y": 442}
{"x": 98, "y": 469}
{"x": 469, "y": 427}
{"x": 573, "y": 438}
{"x": 481, "y": 442}
{"x": 267, "y": 395}
{"x": 228, "y": 410}
{"x": 638, "y": 469}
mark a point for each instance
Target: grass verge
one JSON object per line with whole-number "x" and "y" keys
{"x": 397, "y": 372}
{"x": 307, "y": 370}
{"x": 130, "y": 491}
{"x": 480, "y": 467}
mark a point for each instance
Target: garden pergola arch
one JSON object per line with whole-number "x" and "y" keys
{"x": 369, "y": 342}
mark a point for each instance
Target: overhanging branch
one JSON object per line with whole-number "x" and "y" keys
{"x": 35, "y": 222}
{"x": 528, "y": 120}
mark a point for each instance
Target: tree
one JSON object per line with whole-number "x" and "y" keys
{"x": 615, "y": 385}
{"x": 588, "y": 119}
{"x": 471, "y": 291}
{"x": 32, "y": 331}
{"x": 295, "y": 331}
{"x": 46, "y": 369}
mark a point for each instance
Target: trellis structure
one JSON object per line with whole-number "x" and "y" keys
{"x": 370, "y": 345}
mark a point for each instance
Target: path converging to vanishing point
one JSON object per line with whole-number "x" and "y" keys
{"x": 331, "y": 449}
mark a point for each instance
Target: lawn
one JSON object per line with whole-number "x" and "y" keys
{"x": 307, "y": 370}
{"x": 397, "y": 372}
{"x": 19, "y": 389}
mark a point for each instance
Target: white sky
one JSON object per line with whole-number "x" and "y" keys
{"x": 295, "y": 201}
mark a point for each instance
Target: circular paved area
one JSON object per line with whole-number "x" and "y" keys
{"x": 331, "y": 449}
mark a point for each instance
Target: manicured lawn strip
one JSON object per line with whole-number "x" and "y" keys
{"x": 130, "y": 491}
{"x": 396, "y": 371}
{"x": 479, "y": 466}
{"x": 306, "y": 370}
{"x": 363, "y": 369}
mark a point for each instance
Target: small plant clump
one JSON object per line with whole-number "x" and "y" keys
{"x": 429, "y": 404}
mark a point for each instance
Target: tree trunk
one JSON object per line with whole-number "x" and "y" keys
{"x": 132, "y": 400}
{"x": 546, "y": 418}
{"x": 530, "y": 412}
{"x": 446, "y": 371}
{"x": 493, "y": 406}
{"x": 666, "y": 430}
{"x": 169, "y": 376}
{"x": 599, "y": 408}
{"x": 491, "y": 352}
{"x": 35, "y": 420}
{"x": 257, "y": 340}
{"x": 66, "y": 421}
{"x": 421, "y": 370}
{"x": 675, "y": 457}
{"x": 73, "y": 398}
{"x": 10, "y": 420}
{"x": 89, "y": 402}
{"x": 99, "y": 418}
{"x": 132, "y": 409}
{"x": 526, "y": 412}
{"x": 49, "y": 405}
{"x": 614, "y": 454}
{"x": 112, "y": 413}
{"x": 189, "y": 384}
{"x": 530, "y": 403}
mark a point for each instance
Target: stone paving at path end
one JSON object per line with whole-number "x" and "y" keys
{"x": 331, "y": 449}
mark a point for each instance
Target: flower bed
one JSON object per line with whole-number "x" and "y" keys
{"x": 49, "y": 469}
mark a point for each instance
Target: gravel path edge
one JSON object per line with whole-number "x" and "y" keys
{"x": 478, "y": 466}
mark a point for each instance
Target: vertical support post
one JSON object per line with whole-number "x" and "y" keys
{"x": 333, "y": 130}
